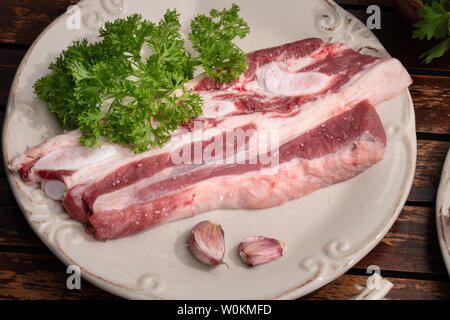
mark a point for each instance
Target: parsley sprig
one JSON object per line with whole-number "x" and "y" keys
{"x": 109, "y": 89}
{"x": 434, "y": 24}
{"x": 212, "y": 37}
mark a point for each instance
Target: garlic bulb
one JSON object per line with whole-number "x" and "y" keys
{"x": 207, "y": 243}
{"x": 258, "y": 250}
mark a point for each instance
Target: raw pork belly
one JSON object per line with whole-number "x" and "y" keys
{"x": 318, "y": 97}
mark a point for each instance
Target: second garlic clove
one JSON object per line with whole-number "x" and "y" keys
{"x": 258, "y": 250}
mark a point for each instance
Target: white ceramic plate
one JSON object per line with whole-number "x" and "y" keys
{"x": 327, "y": 232}
{"x": 443, "y": 212}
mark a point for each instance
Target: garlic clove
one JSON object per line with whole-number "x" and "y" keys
{"x": 207, "y": 243}
{"x": 258, "y": 250}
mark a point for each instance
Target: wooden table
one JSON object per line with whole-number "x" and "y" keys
{"x": 409, "y": 255}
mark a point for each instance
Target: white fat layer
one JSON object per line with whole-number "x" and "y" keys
{"x": 278, "y": 81}
{"x": 124, "y": 197}
{"x": 54, "y": 189}
{"x": 73, "y": 158}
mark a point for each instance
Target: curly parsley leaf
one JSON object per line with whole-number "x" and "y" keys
{"x": 212, "y": 37}
{"x": 434, "y": 24}
{"x": 129, "y": 86}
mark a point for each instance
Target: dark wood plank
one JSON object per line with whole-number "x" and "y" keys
{"x": 410, "y": 246}
{"x": 431, "y": 97}
{"x": 9, "y": 62}
{"x": 15, "y": 233}
{"x": 404, "y": 289}
{"x": 22, "y": 21}
{"x": 430, "y": 158}
{"x": 32, "y": 276}
{"x": 407, "y": 289}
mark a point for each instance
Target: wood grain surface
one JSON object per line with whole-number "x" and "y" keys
{"x": 409, "y": 255}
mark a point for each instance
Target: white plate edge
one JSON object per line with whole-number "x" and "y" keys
{"x": 293, "y": 293}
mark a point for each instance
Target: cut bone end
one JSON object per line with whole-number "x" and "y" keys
{"x": 54, "y": 189}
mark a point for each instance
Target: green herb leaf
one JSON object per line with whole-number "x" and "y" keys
{"x": 106, "y": 89}
{"x": 434, "y": 23}
{"x": 437, "y": 51}
{"x": 212, "y": 37}
{"x": 109, "y": 89}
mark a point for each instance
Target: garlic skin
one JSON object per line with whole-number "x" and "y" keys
{"x": 259, "y": 250}
{"x": 207, "y": 243}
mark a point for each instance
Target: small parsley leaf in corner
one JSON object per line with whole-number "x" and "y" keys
{"x": 434, "y": 24}
{"x": 212, "y": 37}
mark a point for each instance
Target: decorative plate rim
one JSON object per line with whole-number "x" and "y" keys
{"x": 318, "y": 279}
